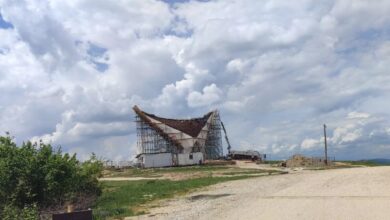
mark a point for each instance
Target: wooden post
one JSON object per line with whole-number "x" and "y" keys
{"x": 326, "y": 146}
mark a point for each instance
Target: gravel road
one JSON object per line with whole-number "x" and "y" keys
{"x": 355, "y": 193}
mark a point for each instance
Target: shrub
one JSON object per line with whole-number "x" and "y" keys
{"x": 35, "y": 174}
{"x": 14, "y": 213}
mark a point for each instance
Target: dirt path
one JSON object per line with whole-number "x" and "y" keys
{"x": 251, "y": 165}
{"x": 356, "y": 193}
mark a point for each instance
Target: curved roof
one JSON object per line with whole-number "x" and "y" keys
{"x": 191, "y": 126}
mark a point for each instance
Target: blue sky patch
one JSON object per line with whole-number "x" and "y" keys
{"x": 4, "y": 51}
{"x": 97, "y": 56}
{"x": 183, "y": 31}
{"x": 96, "y": 51}
{"x": 4, "y": 24}
{"x": 101, "y": 67}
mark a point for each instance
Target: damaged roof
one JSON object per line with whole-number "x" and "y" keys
{"x": 191, "y": 126}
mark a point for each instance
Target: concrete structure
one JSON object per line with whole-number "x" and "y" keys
{"x": 168, "y": 159}
{"x": 155, "y": 160}
{"x": 190, "y": 158}
{"x": 183, "y": 139}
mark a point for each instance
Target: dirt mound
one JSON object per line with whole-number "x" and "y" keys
{"x": 299, "y": 160}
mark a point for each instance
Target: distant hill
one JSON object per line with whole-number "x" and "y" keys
{"x": 381, "y": 161}
{"x": 371, "y": 162}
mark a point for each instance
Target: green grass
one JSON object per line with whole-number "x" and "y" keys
{"x": 157, "y": 172}
{"x": 350, "y": 164}
{"x": 121, "y": 198}
{"x": 363, "y": 163}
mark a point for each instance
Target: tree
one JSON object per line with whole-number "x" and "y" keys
{"x": 37, "y": 175}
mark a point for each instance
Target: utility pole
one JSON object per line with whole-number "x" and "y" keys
{"x": 326, "y": 146}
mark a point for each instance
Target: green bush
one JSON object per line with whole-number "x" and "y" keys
{"x": 37, "y": 174}
{"x": 14, "y": 213}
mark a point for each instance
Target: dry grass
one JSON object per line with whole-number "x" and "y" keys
{"x": 183, "y": 173}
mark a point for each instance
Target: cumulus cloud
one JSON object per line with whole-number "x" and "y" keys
{"x": 71, "y": 71}
{"x": 310, "y": 143}
{"x": 355, "y": 115}
{"x": 210, "y": 95}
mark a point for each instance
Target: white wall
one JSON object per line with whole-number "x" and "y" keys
{"x": 184, "y": 159}
{"x": 165, "y": 159}
{"x": 156, "y": 160}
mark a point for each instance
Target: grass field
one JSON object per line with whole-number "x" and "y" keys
{"x": 124, "y": 198}
{"x": 367, "y": 163}
{"x": 350, "y": 164}
{"x": 158, "y": 172}
{"x": 182, "y": 172}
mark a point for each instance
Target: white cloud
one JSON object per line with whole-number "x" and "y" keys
{"x": 346, "y": 133}
{"x": 356, "y": 115}
{"x": 308, "y": 144}
{"x": 210, "y": 95}
{"x": 277, "y": 70}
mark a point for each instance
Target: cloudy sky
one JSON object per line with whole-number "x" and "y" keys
{"x": 70, "y": 72}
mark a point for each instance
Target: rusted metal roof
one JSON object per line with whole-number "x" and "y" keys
{"x": 191, "y": 126}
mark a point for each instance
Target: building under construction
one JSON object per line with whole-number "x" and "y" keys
{"x": 172, "y": 142}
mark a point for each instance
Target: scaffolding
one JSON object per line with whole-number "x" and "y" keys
{"x": 213, "y": 145}
{"x": 162, "y": 135}
{"x": 149, "y": 141}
